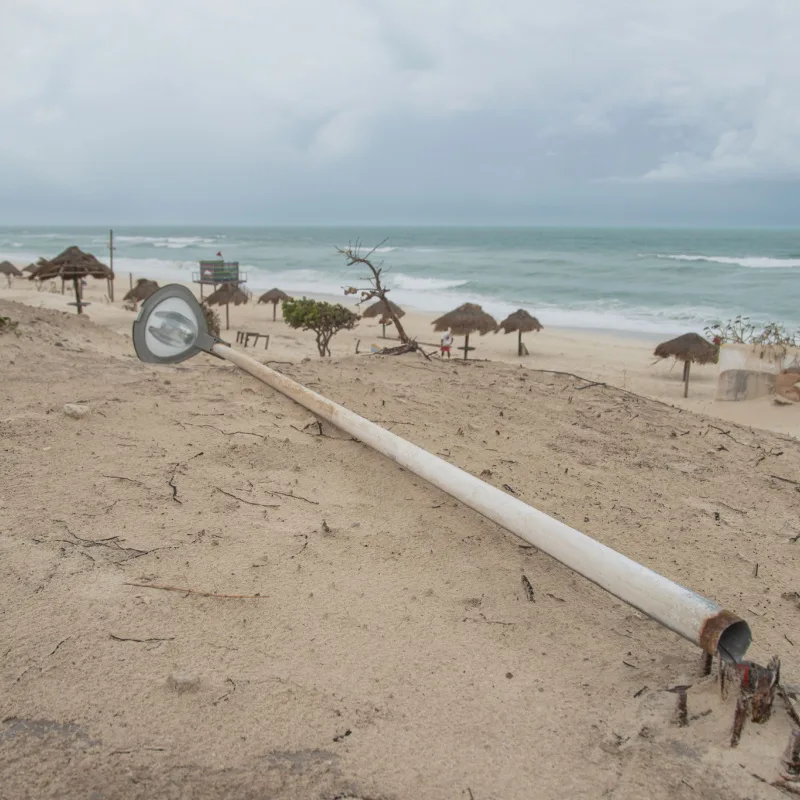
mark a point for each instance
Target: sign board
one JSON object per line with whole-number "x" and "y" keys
{"x": 219, "y": 271}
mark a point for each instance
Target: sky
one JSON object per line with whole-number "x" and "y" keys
{"x": 612, "y": 112}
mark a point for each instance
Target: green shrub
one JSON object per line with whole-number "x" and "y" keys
{"x": 325, "y": 319}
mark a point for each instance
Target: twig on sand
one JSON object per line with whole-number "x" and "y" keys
{"x": 224, "y": 433}
{"x": 141, "y": 641}
{"x": 123, "y": 478}
{"x": 171, "y": 481}
{"x": 249, "y": 502}
{"x": 789, "y": 706}
{"x": 194, "y": 591}
{"x": 786, "y": 480}
{"x": 293, "y": 496}
{"x": 171, "y": 484}
{"x": 590, "y": 385}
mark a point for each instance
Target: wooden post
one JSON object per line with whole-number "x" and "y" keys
{"x": 227, "y": 318}
{"x": 111, "y": 265}
{"x": 686, "y": 366}
{"x": 274, "y": 311}
{"x": 383, "y": 333}
{"x": 466, "y": 348}
{"x": 78, "y": 301}
{"x": 519, "y": 344}
{"x": 62, "y": 284}
{"x": 130, "y": 280}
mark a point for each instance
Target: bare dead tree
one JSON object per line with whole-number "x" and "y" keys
{"x": 353, "y": 255}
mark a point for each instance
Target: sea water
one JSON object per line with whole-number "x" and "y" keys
{"x": 650, "y": 281}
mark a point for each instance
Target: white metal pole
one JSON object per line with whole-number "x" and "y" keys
{"x": 694, "y": 617}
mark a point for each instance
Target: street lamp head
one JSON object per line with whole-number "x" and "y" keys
{"x": 171, "y": 327}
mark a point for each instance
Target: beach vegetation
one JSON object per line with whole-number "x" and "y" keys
{"x": 8, "y": 325}
{"x": 742, "y": 330}
{"x": 212, "y": 319}
{"x": 325, "y": 319}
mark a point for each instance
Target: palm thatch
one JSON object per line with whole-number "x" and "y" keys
{"x": 75, "y": 265}
{"x": 689, "y": 347}
{"x": 378, "y": 309}
{"x": 10, "y": 271}
{"x": 7, "y": 268}
{"x": 72, "y": 264}
{"x": 522, "y": 322}
{"x": 226, "y": 294}
{"x": 30, "y": 268}
{"x": 466, "y": 319}
{"x": 274, "y": 296}
{"x": 143, "y": 289}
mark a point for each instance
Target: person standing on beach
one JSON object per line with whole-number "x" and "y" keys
{"x": 446, "y": 344}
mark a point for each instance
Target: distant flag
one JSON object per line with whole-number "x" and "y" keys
{"x": 219, "y": 254}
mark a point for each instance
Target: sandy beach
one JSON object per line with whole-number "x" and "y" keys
{"x": 618, "y": 358}
{"x": 206, "y": 594}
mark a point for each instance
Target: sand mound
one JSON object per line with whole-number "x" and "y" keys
{"x": 386, "y": 646}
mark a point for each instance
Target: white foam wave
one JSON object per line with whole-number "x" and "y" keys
{"x": 420, "y": 284}
{"x": 171, "y": 242}
{"x": 157, "y": 268}
{"x": 751, "y": 262}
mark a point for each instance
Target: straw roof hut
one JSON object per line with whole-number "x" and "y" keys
{"x": 522, "y": 322}
{"x": 688, "y": 348}
{"x": 30, "y": 268}
{"x": 9, "y": 270}
{"x": 274, "y": 296}
{"x": 226, "y": 294}
{"x": 378, "y": 309}
{"x": 143, "y": 289}
{"x": 464, "y": 320}
{"x": 73, "y": 264}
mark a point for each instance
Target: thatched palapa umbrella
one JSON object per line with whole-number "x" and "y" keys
{"x": 274, "y": 296}
{"x": 226, "y": 294}
{"x": 522, "y": 322}
{"x": 688, "y": 348}
{"x": 464, "y": 320}
{"x": 9, "y": 270}
{"x": 73, "y": 264}
{"x": 143, "y": 289}
{"x": 30, "y": 268}
{"x": 379, "y": 309}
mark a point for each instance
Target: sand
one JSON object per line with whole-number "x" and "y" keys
{"x": 620, "y": 359}
{"x": 385, "y": 646}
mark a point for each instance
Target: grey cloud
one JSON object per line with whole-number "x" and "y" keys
{"x": 450, "y": 110}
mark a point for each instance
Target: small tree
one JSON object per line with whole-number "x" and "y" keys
{"x": 325, "y": 319}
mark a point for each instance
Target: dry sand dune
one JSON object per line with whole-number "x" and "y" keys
{"x": 386, "y": 647}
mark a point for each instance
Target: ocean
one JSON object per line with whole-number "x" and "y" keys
{"x": 635, "y": 280}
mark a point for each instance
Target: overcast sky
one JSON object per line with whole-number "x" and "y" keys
{"x": 404, "y": 111}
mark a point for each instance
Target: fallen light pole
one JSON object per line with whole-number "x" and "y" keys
{"x": 171, "y": 328}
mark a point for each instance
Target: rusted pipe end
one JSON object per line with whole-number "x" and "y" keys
{"x": 727, "y": 634}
